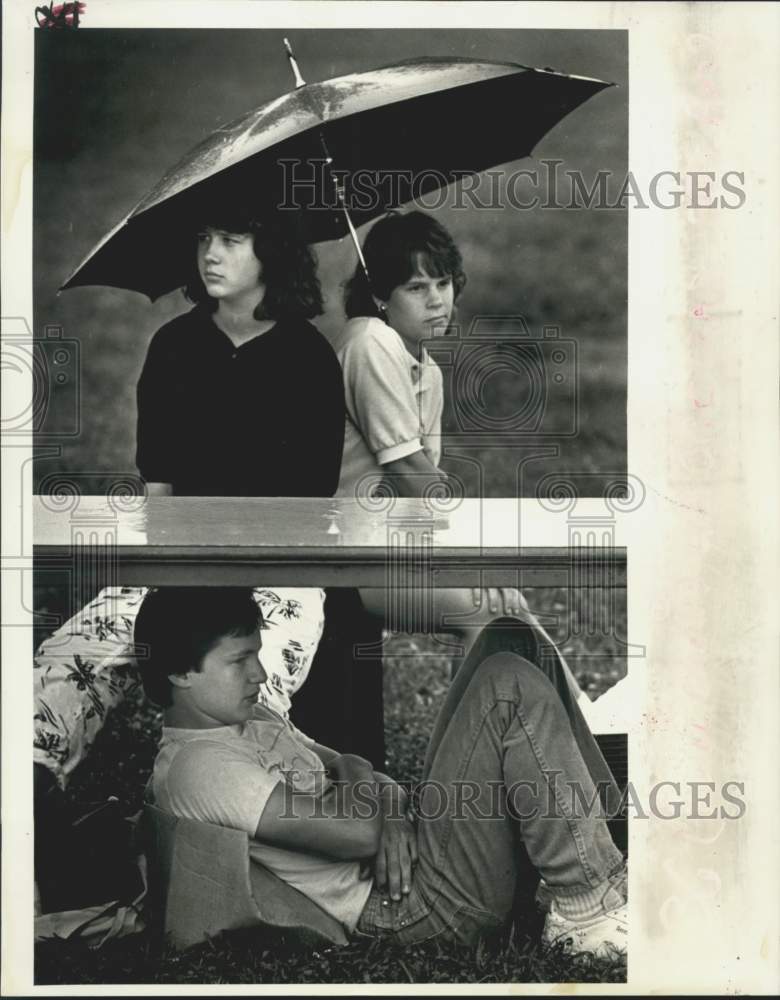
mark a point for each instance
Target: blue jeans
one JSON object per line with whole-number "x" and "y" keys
{"x": 509, "y": 760}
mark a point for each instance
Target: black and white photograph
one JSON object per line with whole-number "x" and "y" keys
{"x": 388, "y": 546}
{"x": 350, "y": 264}
{"x": 442, "y": 211}
{"x": 395, "y": 782}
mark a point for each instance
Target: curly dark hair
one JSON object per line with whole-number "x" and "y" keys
{"x": 394, "y": 249}
{"x": 292, "y": 289}
{"x": 177, "y": 626}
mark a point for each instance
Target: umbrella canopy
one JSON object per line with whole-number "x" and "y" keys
{"x": 394, "y": 134}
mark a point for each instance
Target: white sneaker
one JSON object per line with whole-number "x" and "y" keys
{"x": 605, "y": 935}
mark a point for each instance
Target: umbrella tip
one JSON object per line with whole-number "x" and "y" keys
{"x": 299, "y": 81}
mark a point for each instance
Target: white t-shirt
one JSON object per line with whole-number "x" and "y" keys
{"x": 394, "y": 403}
{"x": 225, "y": 776}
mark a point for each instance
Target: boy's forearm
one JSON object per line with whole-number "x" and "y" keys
{"x": 359, "y": 792}
{"x": 393, "y": 797}
{"x": 355, "y": 779}
{"x": 352, "y": 772}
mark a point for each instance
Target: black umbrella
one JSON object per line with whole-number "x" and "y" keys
{"x": 393, "y": 134}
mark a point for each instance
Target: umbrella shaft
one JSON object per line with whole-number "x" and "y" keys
{"x": 343, "y": 206}
{"x": 300, "y": 82}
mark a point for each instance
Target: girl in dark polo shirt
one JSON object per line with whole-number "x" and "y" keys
{"x": 242, "y": 396}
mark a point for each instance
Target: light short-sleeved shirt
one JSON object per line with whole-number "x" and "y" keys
{"x": 226, "y": 775}
{"x": 394, "y": 403}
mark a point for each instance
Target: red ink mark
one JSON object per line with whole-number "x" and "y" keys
{"x": 699, "y": 312}
{"x": 699, "y": 405}
{"x": 64, "y": 15}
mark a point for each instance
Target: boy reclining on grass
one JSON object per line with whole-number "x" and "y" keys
{"x": 503, "y": 767}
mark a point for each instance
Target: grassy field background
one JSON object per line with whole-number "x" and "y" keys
{"x": 416, "y": 676}
{"x": 115, "y": 109}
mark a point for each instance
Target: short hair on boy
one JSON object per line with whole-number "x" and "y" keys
{"x": 177, "y": 626}
{"x": 394, "y": 249}
{"x": 289, "y": 266}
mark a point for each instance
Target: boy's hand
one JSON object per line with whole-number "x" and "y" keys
{"x": 397, "y": 853}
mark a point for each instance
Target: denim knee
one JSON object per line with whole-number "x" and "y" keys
{"x": 515, "y": 678}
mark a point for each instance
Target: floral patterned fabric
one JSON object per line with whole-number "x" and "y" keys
{"x": 86, "y": 667}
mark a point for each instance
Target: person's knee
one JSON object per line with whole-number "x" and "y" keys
{"x": 518, "y": 678}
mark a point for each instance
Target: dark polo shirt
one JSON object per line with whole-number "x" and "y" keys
{"x": 263, "y": 419}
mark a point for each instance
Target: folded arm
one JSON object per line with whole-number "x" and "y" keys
{"x": 345, "y": 822}
{"x": 394, "y": 853}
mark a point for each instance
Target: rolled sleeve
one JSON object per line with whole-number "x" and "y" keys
{"x": 379, "y": 392}
{"x": 397, "y": 451}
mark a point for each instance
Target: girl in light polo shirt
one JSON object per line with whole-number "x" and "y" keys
{"x": 393, "y": 388}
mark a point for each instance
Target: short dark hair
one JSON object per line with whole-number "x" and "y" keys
{"x": 292, "y": 289}
{"x": 393, "y": 250}
{"x": 177, "y": 626}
